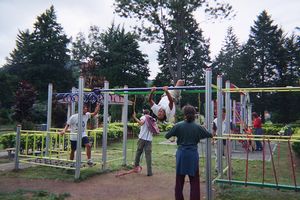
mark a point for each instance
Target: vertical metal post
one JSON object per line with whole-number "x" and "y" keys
{"x": 242, "y": 113}
{"x": 212, "y": 111}
{"x": 125, "y": 121}
{"x": 227, "y": 127}
{"x": 227, "y": 107}
{"x": 249, "y": 110}
{"x": 73, "y": 103}
{"x": 49, "y": 114}
{"x": 69, "y": 110}
{"x": 219, "y": 126}
{"x": 80, "y": 127}
{"x": 105, "y": 126}
{"x": 234, "y": 112}
{"x": 208, "y": 122}
{"x": 18, "y": 138}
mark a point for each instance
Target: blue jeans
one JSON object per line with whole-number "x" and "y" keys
{"x": 258, "y": 131}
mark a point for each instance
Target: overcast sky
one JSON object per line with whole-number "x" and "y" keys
{"x": 78, "y": 15}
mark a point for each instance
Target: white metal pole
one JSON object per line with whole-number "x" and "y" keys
{"x": 17, "y": 150}
{"x": 105, "y": 126}
{"x": 80, "y": 127}
{"x": 73, "y": 103}
{"x": 219, "y": 126}
{"x": 125, "y": 122}
{"x": 49, "y": 114}
{"x": 208, "y": 122}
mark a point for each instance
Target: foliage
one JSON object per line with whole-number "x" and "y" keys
{"x": 269, "y": 65}
{"x": 42, "y": 54}
{"x": 115, "y": 132}
{"x": 115, "y": 55}
{"x": 59, "y": 114}
{"x": 5, "y": 117}
{"x": 25, "y": 98}
{"x": 164, "y": 127}
{"x": 227, "y": 63}
{"x": 166, "y": 22}
{"x": 33, "y": 195}
{"x": 8, "y": 85}
{"x": 296, "y": 145}
{"x": 39, "y": 112}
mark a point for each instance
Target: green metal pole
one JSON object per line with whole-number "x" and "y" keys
{"x": 268, "y": 185}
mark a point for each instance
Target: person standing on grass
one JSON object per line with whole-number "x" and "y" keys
{"x": 145, "y": 142}
{"x": 224, "y": 127}
{"x": 73, "y": 124}
{"x": 188, "y": 135}
{"x": 257, "y": 130}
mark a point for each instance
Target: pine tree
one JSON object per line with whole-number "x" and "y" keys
{"x": 113, "y": 55}
{"x": 228, "y": 62}
{"x": 40, "y": 57}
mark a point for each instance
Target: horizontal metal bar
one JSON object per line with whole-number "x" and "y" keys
{"x": 262, "y": 136}
{"x": 264, "y": 89}
{"x": 269, "y": 185}
{"x": 256, "y": 139}
{"x": 149, "y": 89}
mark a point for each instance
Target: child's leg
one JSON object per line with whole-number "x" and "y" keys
{"x": 86, "y": 143}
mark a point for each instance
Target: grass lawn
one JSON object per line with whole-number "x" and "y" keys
{"x": 33, "y": 195}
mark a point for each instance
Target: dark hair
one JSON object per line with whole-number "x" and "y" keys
{"x": 223, "y": 110}
{"x": 165, "y": 116}
{"x": 189, "y": 113}
{"x": 146, "y": 112}
{"x": 255, "y": 115}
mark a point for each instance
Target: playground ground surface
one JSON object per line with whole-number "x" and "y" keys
{"x": 106, "y": 186}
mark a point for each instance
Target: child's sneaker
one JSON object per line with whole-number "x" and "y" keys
{"x": 90, "y": 162}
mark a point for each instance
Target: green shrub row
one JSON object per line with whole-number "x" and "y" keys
{"x": 296, "y": 145}
{"x": 115, "y": 132}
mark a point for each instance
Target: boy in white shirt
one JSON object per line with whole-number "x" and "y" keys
{"x": 73, "y": 124}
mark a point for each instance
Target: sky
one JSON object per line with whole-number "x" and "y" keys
{"x": 77, "y": 16}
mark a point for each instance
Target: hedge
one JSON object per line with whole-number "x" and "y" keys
{"x": 115, "y": 132}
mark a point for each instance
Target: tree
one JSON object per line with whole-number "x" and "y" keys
{"x": 115, "y": 55}
{"x": 227, "y": 62}
{"x": 265, "y": 47}
{"x": 7, "y": 87}
{"x": 25, "y": 97}
{"x": 166, "y": 22}
{"x": 286, "y": 104}
{"x": 40, "y": 57}
{"x": 270, "y": 60}
{"x": 195, "y": 56}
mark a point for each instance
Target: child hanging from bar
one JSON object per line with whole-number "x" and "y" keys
{"x": 165, "y": 109}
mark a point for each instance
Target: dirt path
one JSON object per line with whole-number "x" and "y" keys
{"x": 105, "y": 187}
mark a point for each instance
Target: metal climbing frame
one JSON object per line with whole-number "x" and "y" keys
{"x": 246, "y": 110}
{"x": 80, "y": 96}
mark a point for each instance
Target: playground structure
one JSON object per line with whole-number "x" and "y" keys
{"x": 54, "y": 141}
{"x": 245, "y": 121}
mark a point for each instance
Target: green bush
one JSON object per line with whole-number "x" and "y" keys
{"x": 115, "y": 132}
{"x": 296, "y": 145}
{"x": 8, "y": 140}
{"x": 5, "y": 116}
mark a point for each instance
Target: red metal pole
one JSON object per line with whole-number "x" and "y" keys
{"x": 274, "y": 170}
